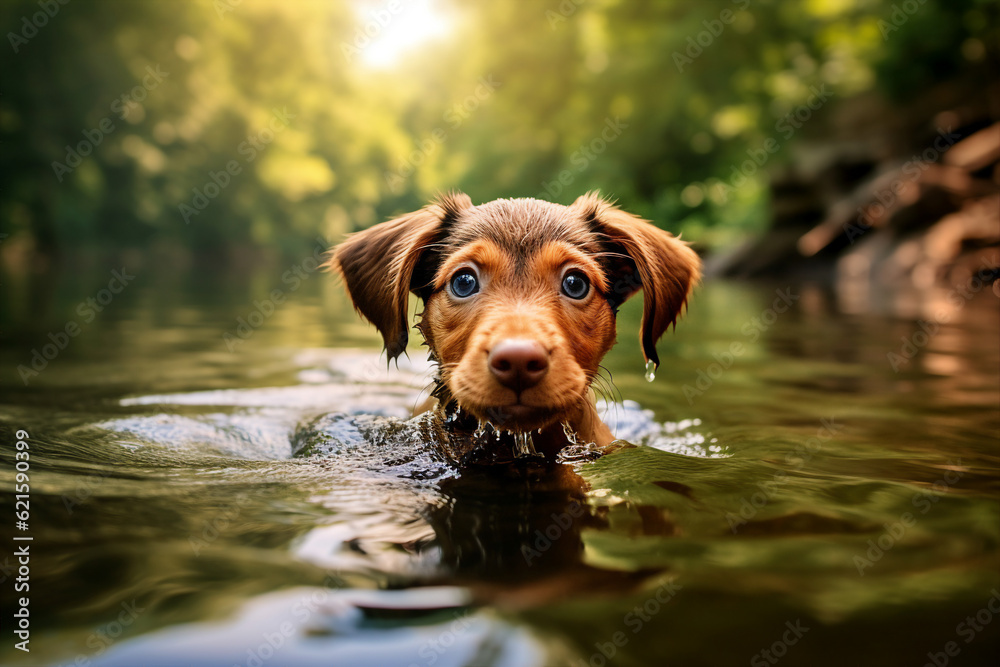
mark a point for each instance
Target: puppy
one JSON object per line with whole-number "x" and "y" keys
{"x": 520, "y": 298}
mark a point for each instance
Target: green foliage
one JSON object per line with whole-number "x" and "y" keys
{"x": 512, "y": 98}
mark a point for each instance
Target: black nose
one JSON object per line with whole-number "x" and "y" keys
{"x": 518, "y": 363}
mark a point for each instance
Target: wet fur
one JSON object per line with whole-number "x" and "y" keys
{"x": 521, "y": 249}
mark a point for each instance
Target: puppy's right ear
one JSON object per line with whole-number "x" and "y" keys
{"x": 381, "y": 265}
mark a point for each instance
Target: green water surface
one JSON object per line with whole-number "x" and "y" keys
{"x": 814, "y": 483}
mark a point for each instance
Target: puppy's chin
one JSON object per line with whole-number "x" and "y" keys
{"x": 516, "y": 417}
{"x": 521, "y": 418}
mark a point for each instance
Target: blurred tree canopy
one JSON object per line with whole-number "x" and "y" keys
{"x": 264, "y": 123}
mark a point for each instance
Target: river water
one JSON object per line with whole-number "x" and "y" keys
{"x": 813, "y": 481}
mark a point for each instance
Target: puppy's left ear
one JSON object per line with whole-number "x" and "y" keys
{"x": 640, "y": 255}
{"x": 383, "y": 264}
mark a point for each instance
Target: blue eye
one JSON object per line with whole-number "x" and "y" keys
{"x": 575, "y": 285}
{"x": 464, "y": 283}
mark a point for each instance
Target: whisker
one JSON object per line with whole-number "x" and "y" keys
{"x": 611, "y": 383}
{"x": 601, "y": 391}
{"x": 613, "y": 396}
{"x": 432, "y": 384}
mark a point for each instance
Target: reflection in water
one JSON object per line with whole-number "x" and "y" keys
{"x": 163, "y": 478}
{"x": 505, "y": 526}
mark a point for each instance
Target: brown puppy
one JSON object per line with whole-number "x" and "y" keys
{"x": 520, "y": 297}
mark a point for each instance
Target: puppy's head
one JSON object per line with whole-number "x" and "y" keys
{"x": 520, "y": 295}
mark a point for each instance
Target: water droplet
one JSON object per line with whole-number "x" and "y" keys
{"x": 650, "y": 371}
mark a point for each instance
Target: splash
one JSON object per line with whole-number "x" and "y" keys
{"x": 481, "y": 429}
{"x": 524, "y": 445}
{"x": 569, "y": 433}
{"x": 650, "y": 371}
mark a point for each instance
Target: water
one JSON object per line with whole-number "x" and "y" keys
{"x": 792, "y": 497}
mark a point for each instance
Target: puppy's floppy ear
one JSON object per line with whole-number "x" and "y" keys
{"x": 382, "y": 264}
{"x": 643, "y": 256}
